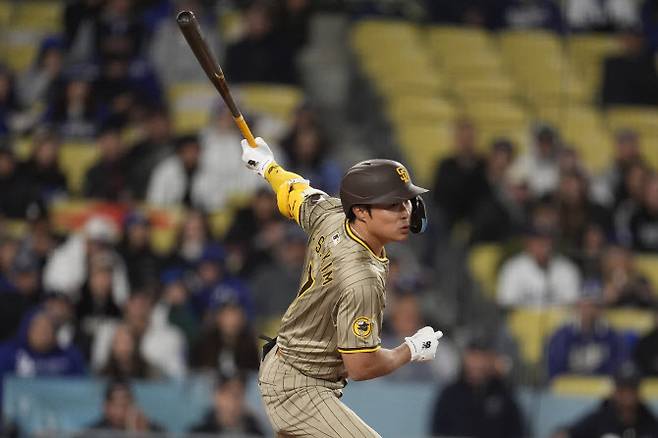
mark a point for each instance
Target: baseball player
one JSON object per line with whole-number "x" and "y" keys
{"x": 331, "y": 331}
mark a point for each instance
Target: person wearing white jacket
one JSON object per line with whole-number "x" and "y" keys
{"x": 66, "y": 269}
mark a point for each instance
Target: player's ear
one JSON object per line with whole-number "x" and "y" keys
{"x": 361, "y": 212}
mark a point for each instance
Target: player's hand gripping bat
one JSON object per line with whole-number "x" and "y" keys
{"x": 190, "y": 28}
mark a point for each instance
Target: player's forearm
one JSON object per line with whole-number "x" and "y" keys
{"x": 381, "y": 363}
{"x": 289, "y": 188}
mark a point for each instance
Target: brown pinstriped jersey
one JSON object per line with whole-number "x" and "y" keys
{"x": 340, "y": 302}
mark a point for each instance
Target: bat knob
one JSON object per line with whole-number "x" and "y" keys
{"x": 185, "y": 17}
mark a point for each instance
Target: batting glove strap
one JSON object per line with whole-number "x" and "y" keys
{"x": 423, "y": 344}
{"x": 259, "y": 158}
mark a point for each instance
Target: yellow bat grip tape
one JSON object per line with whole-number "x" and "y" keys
{"x": 244, "y": 129}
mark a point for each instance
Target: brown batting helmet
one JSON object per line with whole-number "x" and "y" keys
{"x": 381, "y": 181}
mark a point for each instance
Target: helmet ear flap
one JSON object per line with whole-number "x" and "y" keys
{"x": 418, "y": 219}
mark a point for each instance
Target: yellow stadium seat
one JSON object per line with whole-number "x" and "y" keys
{"x": 450, "y": 39}
{"x": 370, "y": 35}
{"x": 5, "y": 12}
{"x": 15, "y": 228}
{"x": 38, "y": 15}
{"x": 20, "y": 57}
{"x": 220, "y": 221}
{"x": 189, "y": 121}
{"x": 423, "y": 109}
{"x": 483, "y": 262}
{"x": 587, "y": 53}
{"x": 75, "y": 159}
{"x": 535, "y": 44}
{"x": 165, "y": 223}
{"x": 278, "y": 101}
{"x": 649, "y": 148}
{"x": 631, "y": 320}
{"x": 649, "y": 388}
{"x": 593, "y": 145}
{"x": 493, "y": 88}
{"x": 531, "y": 327}
{"x": 573, "y": 385}
{"x": 481, "y": 65}
{"x": 423, "y": 145}
{"x": 422, "y": 84}
{"x": 647, "y": 264}
{"x": 644, "y": 120}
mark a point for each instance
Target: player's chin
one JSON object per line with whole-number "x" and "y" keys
{"x": 402, "y": 234}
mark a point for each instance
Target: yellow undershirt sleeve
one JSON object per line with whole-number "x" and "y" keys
{"x": 289, "y": 188}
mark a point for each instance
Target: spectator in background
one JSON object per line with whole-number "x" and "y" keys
{"x": 601, "y": 15}
{"x": 261, "y": 55}
{"x": 623, "y": 285}
{"x": 219, "y": 155}
{"x": 41, "y": 173}
{"x": 162, "y": 345}
{"x": 621, "y": 414}
{"x": 126, "y": 360}
{"x": 541, "y": 163}
{"x": 117, "y": 30}
{"x": 533, "y": 14}
{"x": 78, "y": 15}
{"x": 478, "y": 13}
{"x": 192, "y": 240}
{"x": 479, "y": 403}
{"x": 404, "y": 318}
{"x": 121, "y": 412}
{"x": 630, "y": 201}
{"x": 74, "y": 108}
{"x": 460, "y": 178}
{"x": 292, "y": 21}
{"x": 589, "y": 255}
{"x": 40, "y": 82}
{"x": 97, "y": 304}
{"x": 142, "y": 264}
{"x": 106, "y": 179}
{"x": 538, "y": 276}
{"x": 228, "y": 344}
{"x": 21, "y": 291}
{"x": 34, "y": 351}
{"x": 272, "y": 283}
{"x": 644, "y": 222}
{"x": 9, "y": 101}
{"x": 645, "y": 354}
{"x": 144, "y": 156}
{"x": 577, "y": 210}
{"x": 229, "y": 414}
{"x": 176, "y": 303}
{"x": 253, "y": 233}
{"x": 586, "y": 345}
{"x": 8, "y": 252}
{"x": 609, "y": 189}
{"x": 307, "y": 152}
{"x": 176, "y": 180}
{"x": 67, "y": 267}
{"x": 15, "y": 196}
{"x": 649, "y": 16}
{"x": 630, "y": 78}
{"x": 497, "y": 215}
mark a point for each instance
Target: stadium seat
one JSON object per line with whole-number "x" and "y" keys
{"x": 15, "y": 228}
{"x": 642, "y": 119}
{"x": 530, "y": 327}
{"x": 586, "y": 53}
{"x": 421, "y": 84}
{"x": 220, "y": 221}
{"x": 573, "y": 385}
{"x": 423, "y": 145}
{"x": 19, "y": 57}
{"x": 75, "y": 159}
{"x": 649, "y": 388}
{"x": 496, "y": 87}
{"x": 423, "y": 109}
{"x": 279, "y": 101}
{"x": 631, "y": 320}
{"x": 165, "y": 223}
{"x": 448, "y": 39}
{"x": 483, "y": 263}
{"x": 42, "y": 16}
{"x": 647, "y": 264}
{"x": 6, "y": 9}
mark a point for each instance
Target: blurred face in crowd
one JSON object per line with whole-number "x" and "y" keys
{"x": 137, "y": 312}
{"x": 626, "y": 398}
{"x": 41, "y": 334}
{"x": 194, "y": 228}
{"x": 110, "y": 146}
{"x": 8, "y": 250}
{"x": 138, "y": 235}
{"x": 27, "y": 281}
{"x": 617, "y": 263}
{"x": 264, "y": 206}
{"x": 77, "y": 91}
{"x": 594, "y": 239}
{"x": 589, "y": 310}
{"x": 123, "y": 344}
{"x": 189, "y": 154}
{"x": 478, "y": 366}
{"x": 572, "y": 190}
{"x": 291, "y": 252}
{"x": 229, "y": 403}
{"x": 499, "y": 161}
{"x": 210, "y": 272}
{"x": 59, "y": 308}
{"x": 307, "y": 146}
{"x": 7, "y": 164}
{"x": 118, "y": 407}
{"x": 230, "y": 319}
{"x": 627, "y": 147}
{"x": 45, "y": 154}
{"x": 405, "y": 316}
{"x": 540, "y": 248}
{"x": 634, "y": 181}
{"x": 651, "y": 195}
{"x": 546, "y": 144}
{"x": 119, "y": 7}
{"x": 52, "y": 61}
{"x": 158, "y": 127}
{"x": 258, "y": 21}
{"x": 100, "y": 282}
{"x": 465, "y": 137}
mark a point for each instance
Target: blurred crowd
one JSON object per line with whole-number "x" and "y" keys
{"x": 101, "y": 300}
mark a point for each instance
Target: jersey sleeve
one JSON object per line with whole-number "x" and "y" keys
{"x": 359, "y": 319}
{"x": 315, "y": 208}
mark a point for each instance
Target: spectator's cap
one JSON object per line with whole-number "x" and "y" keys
{"x": 628, "y": 376}
{"x": 80, "y": 72}
{"x": 117, "y": 385}
{"x": 185, "y": 140}
{"x": 52, "y": 42}
{"x": 224, "y": 297}
{"x": 173, "y": 275}
{"x": 625, "y": 135}
{"x": 502, "y": 145}
{"x": 100, "y": 229}
{"x": 480, "y": 342}
{"x": 135, "y": 217}
{"x": 213, "y": 253}
{"x": 546, "y": 134}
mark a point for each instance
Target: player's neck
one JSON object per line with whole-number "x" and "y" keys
{"x": 361, "y": 231}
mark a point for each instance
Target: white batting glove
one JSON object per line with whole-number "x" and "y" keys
{"x": 423, "y": 344}
{"x": 258, "y": 158}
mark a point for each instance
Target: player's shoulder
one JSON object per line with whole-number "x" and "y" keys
{"x": 319, "y": 208}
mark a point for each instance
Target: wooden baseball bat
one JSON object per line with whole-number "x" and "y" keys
{"x": 189, "y": 26}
